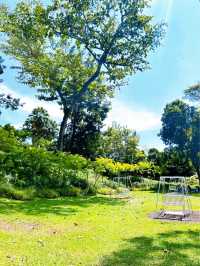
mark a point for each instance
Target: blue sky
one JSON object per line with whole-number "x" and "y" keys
{"x": 174, "y": 66}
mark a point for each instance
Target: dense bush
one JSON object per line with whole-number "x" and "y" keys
{"x": 142, "y": 169}
{"x": 30, "y": 166}
{"x": 10, "y": 191}
{"x": 47, "y": 193}
{"x": 26, "y": 166}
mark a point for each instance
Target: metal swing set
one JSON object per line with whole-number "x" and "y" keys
{"x": 173, "y": 201}
{"x": 124, "y": 183}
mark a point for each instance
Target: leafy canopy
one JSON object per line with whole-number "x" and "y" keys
{"x": 176, "y": 123}
{"x": 120, "y": 144}
{"x": 39, "y": 125}
{"x": 181, "y": 130}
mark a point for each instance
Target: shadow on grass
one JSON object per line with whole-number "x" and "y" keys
{"x": 166, "y": 249}
{"x": 195, "y": 195}
{"x": 62, "y": 206}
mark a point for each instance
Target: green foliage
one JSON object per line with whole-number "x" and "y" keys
{"x": 32, "y": 166}
{"x": 47, "y": 193}
{"x": 106, "y": 191}
{"x": 120, "y": 144}
{"x": 172, "y": 161}
{"x": 71, "y": 191}
{"x": 111, "y": 168}
{"x": 8, "y": 102}
{"x": 181, "y": 129}
{"x": 82, "y": 137}
{"x": 155, "y": 156}
{"x": 9, "y": 191}
{"x": 8, "y": 141}
{"x": 27, "y": 166}
{"x": 39, "y": 126}
{"x": 176, "y": 123}
{"x": 20, "y": 134}
{"x": 79, "y": 182}
{"x": 175, "y": 162}
{"x": 71, "y": 161}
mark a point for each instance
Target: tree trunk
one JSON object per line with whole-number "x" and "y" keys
{"x": 74, "y": 125}
{"x": 60, "y": 145}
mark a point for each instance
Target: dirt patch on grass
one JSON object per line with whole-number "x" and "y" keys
{"x": 18, "y": 226}
{"x": 26, "y": 227}
{"x": 40, "y": 229}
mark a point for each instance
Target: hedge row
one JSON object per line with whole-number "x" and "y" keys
{"x": 110, "y": 168}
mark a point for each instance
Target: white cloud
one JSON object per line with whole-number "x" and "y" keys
{"x": 31, "y": 102}
{"x": 132, "y": 117}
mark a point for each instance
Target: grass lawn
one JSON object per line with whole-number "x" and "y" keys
{"x": 94, "y": 231}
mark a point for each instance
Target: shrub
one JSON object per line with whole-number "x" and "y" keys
{"x": 106, "y": 191}
{"x": 79, "y": 182}
{"x": 70, "y": 191}
{"x": 91, "y": 190}
{"x": 32, "y": 166}
{"x": 47, "y": 193}
{"x": 110, "y": 168}
{"x": 9, "y": 191}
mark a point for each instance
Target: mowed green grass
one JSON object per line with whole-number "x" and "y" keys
{"x": 94, "y": 231}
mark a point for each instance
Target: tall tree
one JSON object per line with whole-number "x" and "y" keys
{"x": 71, "y": 48}
{"x": 40, "y": 126}
{"x": 181, "y": 130}
{"x": 155, "y": 156}
{"x": 83, "y": 134}
{"x": 176, "y": 162}
{"x": 176, "y": 123}
{"x": 120, "y": 144}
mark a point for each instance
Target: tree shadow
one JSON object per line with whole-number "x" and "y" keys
{"x": 166, "y": 249}
{"x": 61, "y": 206}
